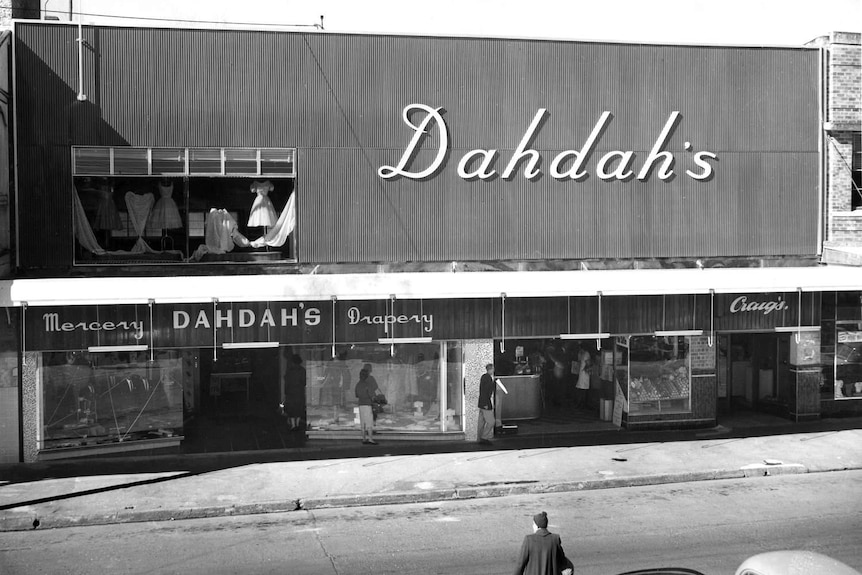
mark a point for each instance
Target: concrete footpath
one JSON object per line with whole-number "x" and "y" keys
{"x": 64, "y": 494}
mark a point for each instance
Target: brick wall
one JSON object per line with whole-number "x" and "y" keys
{"x": 846, "y": 228}
{"x": 845, "y": 78}
{"x": 18, "y": 9}
{"x": 844, "y": 110}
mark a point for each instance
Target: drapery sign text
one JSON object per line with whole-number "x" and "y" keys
{"x": 567, "y": 165}
{"x": 425, "y": 321}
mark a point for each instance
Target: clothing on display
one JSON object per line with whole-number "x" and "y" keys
{"x": 139, "y": 207}
{"x": 220, "y": 230}
{"x": 166, "y": 215}
{"x": 83, "y": 230}
{"x": 262, "y": 211}
{"x": 107, "y": 215}
{"x": 276, "y": 236}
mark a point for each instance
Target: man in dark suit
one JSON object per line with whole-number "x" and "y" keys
{"x": 542, "y": 553}
{"x": 486, "y": 405}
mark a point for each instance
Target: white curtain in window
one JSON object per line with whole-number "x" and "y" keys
{"x": 83, "y": 230}
{"x": 286, "y": 223}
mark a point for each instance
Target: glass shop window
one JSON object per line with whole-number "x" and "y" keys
{"x": 184, "y": 205}
{"x": 421, "y": 383}
{"x": 848, "y": 360}
{"x": 103, "y": 399}
{"x": 659, "y": 374}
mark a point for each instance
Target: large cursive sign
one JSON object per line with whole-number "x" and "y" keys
{"x": 566, "y": 165}
{"x": 426, "y": 321}
{"x": 53, "y": 324}
{"x": 741, "y": 304}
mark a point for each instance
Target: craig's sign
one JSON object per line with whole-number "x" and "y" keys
{"x": 568, "y": 165}
{"x": 743, "y": 305}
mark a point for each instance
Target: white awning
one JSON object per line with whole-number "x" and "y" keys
{"x": 436, "y": 285}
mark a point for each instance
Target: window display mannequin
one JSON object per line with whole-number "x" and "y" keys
{"x": 107, "y": 214}
{"x": 262, "y": 211}
{"x": 139, "y": 207}
{"x": 166, "y": 215}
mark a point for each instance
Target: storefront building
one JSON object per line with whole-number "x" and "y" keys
{"x": 211, "y": 223}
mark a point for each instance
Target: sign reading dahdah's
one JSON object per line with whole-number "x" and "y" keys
{"x": 205, "y": 325}
{"x": 483, "y": 164}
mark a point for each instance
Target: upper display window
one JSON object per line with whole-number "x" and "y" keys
{"x": 184, "y": 205}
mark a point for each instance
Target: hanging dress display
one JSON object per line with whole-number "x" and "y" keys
{"x": 166, "y": 215}
{"x": 220, "y": 231}
{"x": 262, "y": 211}
{"x": 107, "y": 214}
{"x": 139, "y": 212}
{"x": 285, "y": 225}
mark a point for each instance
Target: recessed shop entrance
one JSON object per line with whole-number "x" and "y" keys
{"x": 753, "y": 375}
{"x": 232, "y": 402}
{"x": 553, "y": 385}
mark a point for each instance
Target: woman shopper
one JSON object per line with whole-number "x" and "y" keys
{"x": 365, "y": 391}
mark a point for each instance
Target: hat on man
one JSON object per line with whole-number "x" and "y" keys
{"x": 541, "y": 520}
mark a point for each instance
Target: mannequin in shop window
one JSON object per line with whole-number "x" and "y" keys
{"x": 107, "y": 214}
{"x": 166, "y": 215}
{"x": 293, "y": 393}
{"x": 262, "y": 211}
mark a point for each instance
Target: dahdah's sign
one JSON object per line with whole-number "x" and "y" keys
{"x": 568, "y": 165}
{"x": 205, "y": 325}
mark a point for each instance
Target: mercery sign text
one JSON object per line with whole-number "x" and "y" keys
{"x": 567, "y": 165}
{"x": 53, "y": 324}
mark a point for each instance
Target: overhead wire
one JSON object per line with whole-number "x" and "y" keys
{"x": 173, "y": 20}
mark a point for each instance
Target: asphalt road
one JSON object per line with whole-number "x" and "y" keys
{"x": 708, "y": 525}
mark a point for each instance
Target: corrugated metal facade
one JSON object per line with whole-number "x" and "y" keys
{"x": 338, "y": 99}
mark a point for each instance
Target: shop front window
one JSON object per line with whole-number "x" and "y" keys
{"x": 848, "y": 360}
{"x": 422, "y": 384}
{"x": 659, "y": 374}
{"x": 103, "y": 399}
{"x": 183, "y": 205}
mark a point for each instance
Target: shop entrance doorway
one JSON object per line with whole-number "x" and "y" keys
{"x": 549, "y": 386}
{"x": 753, "y": 378}
{"x": 233, "y": 403}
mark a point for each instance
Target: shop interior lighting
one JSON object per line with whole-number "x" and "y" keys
{"x": 249, "y": 344}
{"x": 603, "y": 335}
{"x": 671, "y": 333}
{"x": 110, "y": 348}
{"x": 796, "y": 328}
{"x": 394, "y": 340}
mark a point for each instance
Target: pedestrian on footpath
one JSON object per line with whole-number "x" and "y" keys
{"x": 486, "y": 405}
{"x": 365, "y": 390}
{"x": 542, "y": 553}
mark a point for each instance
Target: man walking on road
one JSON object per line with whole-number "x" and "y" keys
{"x": 486, "y": 406}
{"x": 542, "y": 553}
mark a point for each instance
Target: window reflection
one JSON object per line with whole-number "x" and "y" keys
{"x": 421, "y": 383}
{"x": 97, "y": 399}
{"x": 659, "y": 374}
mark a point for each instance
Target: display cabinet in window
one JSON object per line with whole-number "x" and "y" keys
{"x": 848, "y": 360}
{"x": 659, "y": 374}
